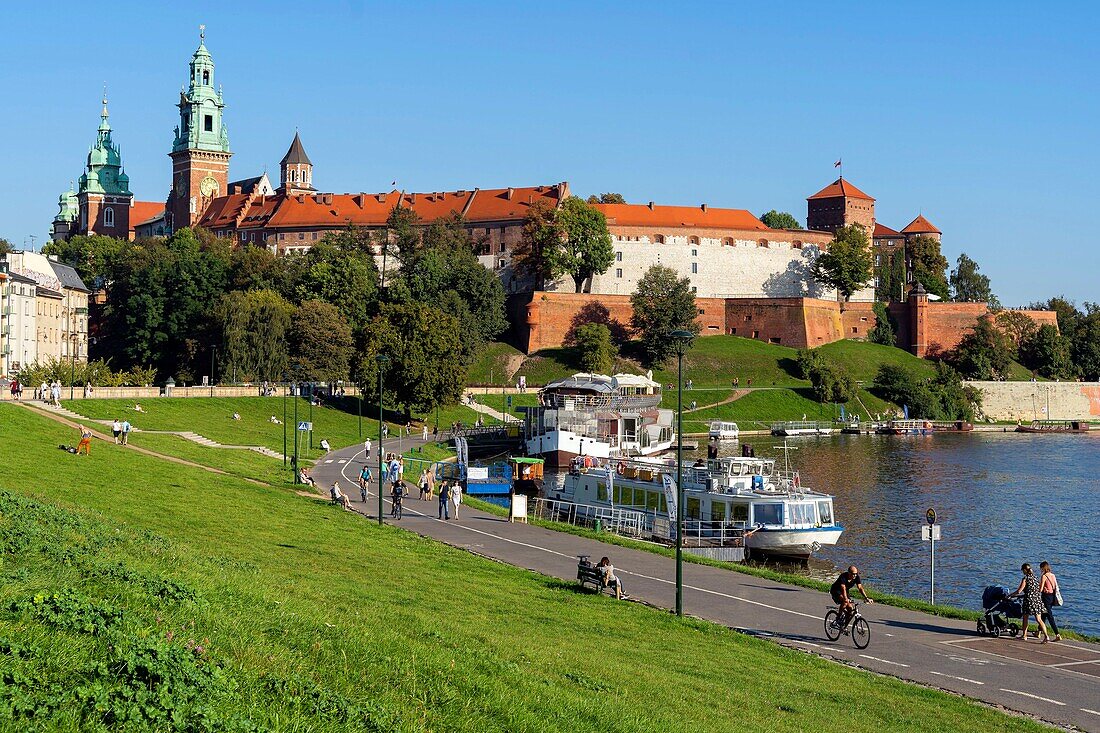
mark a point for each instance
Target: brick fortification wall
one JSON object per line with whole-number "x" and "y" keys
{"x": 944, "y": 324}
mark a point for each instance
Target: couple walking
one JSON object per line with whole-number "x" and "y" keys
{"x": 1040, "y": 596}
{"x": 449, "y": 495}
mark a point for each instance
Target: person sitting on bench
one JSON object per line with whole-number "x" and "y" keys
{"x": 611, "y": 580}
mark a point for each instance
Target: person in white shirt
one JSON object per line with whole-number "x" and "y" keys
{"x": 366, "y": 447}
{"x": 610, "y": 579}
{"x": 325, "y": 446}
{"x": 456, "y": 497}
{"x": 116, "y": 430}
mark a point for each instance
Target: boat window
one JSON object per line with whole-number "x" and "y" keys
{"x": 651, "y": 502}
{"x": 693, "y": 509}
{"x": 825, "y": 512}
{"x": 767, "y": 513}
{"x": 800, "y": 513}
{"x": 601, "y": 492}
{"x": 717, "y": 511}
{"x": 739, "y": 513}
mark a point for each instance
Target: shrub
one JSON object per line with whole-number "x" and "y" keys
{"x": 594, "y": 350}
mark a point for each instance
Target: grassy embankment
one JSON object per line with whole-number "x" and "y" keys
{"x": 144, "y": 595}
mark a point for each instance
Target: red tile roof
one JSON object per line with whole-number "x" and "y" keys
{"x": 143, "y": 211}
{"x": 364, "y": 209}
{"x": 679, "y": 216}
{"x": 881, "y": 230}
{"x": 839, "y": 188}
{"x": 920, "y": 225}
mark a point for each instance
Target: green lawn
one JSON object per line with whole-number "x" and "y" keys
{"x": 144, "y": 595}
{"x": 862, "y": 359}
{"x": 243, "y": 463}
{"x": 491, "y": 364}
{"x": 212, "y": 417}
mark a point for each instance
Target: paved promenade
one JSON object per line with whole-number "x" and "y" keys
{"x": 1057, "y": 682}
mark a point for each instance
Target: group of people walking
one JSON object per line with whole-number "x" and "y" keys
{"x": 393, "y": 475}
{"x": 1040, "y": 596}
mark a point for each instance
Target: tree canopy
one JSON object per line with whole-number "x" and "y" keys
{"x": 846, "y": 265}
{"x": 663, "y": 302}
{"x": 968, "y": 285}
{"x": 254, "y": 326}
{"x": 883, "y": 332}
{"x": 594, "y": 350}
{"x": 984, "y": 353}
{"x": 929, "y": 265}
{"x": 320, "y": 340}
{"x": 607, "y": 198}
{"x": 586, "y": 245}
{"x": 780, "y": 220}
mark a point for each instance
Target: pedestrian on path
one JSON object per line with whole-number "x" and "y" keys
{"x": 385, "y": 475}
{"x": 116, "y": 431}
{"x": 444, "y": 501}
{"x": 423, "y": 483}
{"x": 1030, "y": 589}
{"x": 126, "y": 428}
{"x": 1051, "y": 595}
{"x": 366, "y": 448}
{"x": 424, "y": 432}
{"x": 456, "y": 497}
{"x": 43, "y": 392}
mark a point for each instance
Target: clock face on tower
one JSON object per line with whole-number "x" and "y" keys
{"x": 208, "y": 187}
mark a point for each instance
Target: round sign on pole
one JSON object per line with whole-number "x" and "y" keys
{"x": 931, "y": 515}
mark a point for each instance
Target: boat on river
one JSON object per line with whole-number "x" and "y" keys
{"x": 721, "y": 430}
{"x": 802, "y": 427}
{"x": 907, "y": 427}
{"x": 1054, "y": 426}
{"x": 731, "y": 502}
{"x": 598, "y": 416}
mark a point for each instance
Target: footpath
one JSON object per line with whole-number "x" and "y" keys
{"x": 1056, "y": 682}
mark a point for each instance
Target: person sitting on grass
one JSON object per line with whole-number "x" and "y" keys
{"x": 339, "y": 497}
{"x": 325, "y": 446}
{"x": 138, "y": 408}
{"x": 236, "y": 416}
{"x": 276, "y": 421}
{"x": 305, "y": 478}
{"x": 610, "y": 580}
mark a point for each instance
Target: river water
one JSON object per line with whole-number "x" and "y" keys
{"x": 1002, "y": 499}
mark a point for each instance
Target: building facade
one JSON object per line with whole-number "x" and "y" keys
{"x": 18, "y": 332}
{"x": 61, "y": 305}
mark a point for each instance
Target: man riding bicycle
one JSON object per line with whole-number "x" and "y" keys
{"x": 840, "y": 592}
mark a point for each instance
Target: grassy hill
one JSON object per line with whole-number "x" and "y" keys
{"x": 143, "y": 595}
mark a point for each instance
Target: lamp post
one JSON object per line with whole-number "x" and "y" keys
{"x": 359, "y": 389}
{"x": 682, "y": 339}
{"x": 213, "y": 351}
{"x": 310, "y": 431}
{"x": 294, "y": 462}
{"x": 284, "y": 420}
{"x": 382, "y": 359}
{"x": 72, "y": 370}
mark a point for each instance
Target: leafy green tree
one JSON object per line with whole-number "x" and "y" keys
{"x": 829, "y": 381}
{"x": 91, "y": 256}
{"x": 538, "y": 254}
{"x": 333, "y": 272}
{"x": 607, "y": 198}
{"x": 320, "y": 341}
{"x": 929, "y": 265}
{"x": 424, "y": 347}
{"x": 5, "y": 246}
{"x": 1048, "y": 352}
{"x": 846, "y": 265}
{"x": 586, "y": 246}
{"x": 1086, "y": 343}
{"x": 1017, "y": 326}
{"x": 883, "y": 332}
{"x": 779, "y": 220}
{"x": 943, "y": 397}
{"x": 896, "y": 290}
{"x": 256, "y": 268}
{"x": 969, "y": 285}
{"x": 984, "y": 353}
{"x": 254, "y": 328}
{"x": 663, "y": 302}
{"x": 401, "y": 237}
{"x": 594, "y": 350}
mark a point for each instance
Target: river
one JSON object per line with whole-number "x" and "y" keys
{"x": 1002, "y": 499}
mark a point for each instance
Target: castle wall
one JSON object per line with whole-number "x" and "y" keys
{"x": 1028, "y": 401}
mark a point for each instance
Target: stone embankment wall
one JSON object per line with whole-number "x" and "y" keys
{"x": 147, "y": 393}
{"x": 1027, "y": 401}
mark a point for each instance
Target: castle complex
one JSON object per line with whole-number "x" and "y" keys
{"x": 749, "y": 279}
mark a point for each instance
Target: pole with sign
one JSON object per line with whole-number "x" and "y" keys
{"x": 930, "y": 533}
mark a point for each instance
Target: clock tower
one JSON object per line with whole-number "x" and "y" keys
{"x": 200, "y": 152}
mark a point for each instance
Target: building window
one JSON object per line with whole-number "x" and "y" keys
{"x": 796, "y": 244}
{"x": 208, "y": 123}
{"x": 659, "y": 239}
{"x": 301, "y": 236}
{"x": 762, "y": 243}
{"x": 693, "y": 240}
{"x": 315, "y": 236}
{"x": 756, "y": 334}
{"x": 774, "y": 340}
{"x": 701, "y": 311}
{"x": 282, "y": 236}
{"x": 878, "y": 259}
{"x": 618, "y": 256}
{"x": 108, "y": 217}
{"x": 618, "y": 272}
{"x": 206, "y": 78}
{"x": 694, "y": 268}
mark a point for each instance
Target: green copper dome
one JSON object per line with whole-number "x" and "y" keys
{"x": 201, "y": 106}
{"x": 104, "y": 172}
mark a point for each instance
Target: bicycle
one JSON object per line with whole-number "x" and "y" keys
{"x": 396, "y": 510}
{"x": 856, "y": 626}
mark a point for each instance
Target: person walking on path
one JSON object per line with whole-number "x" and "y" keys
{"x": 116, "y": 431}
{"x": 85, "y": 443}
{"x": 1051, "y": 596}
{"x": 366, "y": 448}
{"x": 424, "y": 432}
{"x": 444, "y": 501}
{"x": 126, "y": 428}
{"x": 423, "y": 484}
{"x": 456, "y": 497}
{"x": 385, "y": 475}
{"x": 16, "y": 389}
{"x": 1029, "y": 588}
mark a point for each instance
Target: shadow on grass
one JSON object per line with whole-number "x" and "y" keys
{"x": 790, "y": 366}
{"x": 569, "y": 585}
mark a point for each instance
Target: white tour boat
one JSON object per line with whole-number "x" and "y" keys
{"x": 720, "y": 430}
{"x": 729, "y": 502}
{"x": 598, "y": 416}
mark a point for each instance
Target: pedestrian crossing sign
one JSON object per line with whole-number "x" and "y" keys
{"x": 305, "y": 426}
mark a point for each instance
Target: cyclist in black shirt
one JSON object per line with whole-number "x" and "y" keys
{"x": 840, "y": 592}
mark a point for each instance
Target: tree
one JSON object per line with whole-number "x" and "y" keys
{"x": 968, "y": 285}
{"x": 943, "y": 397}
{"x": 663, "y": 302}
{"x": 779, "y": 220}
{"x": 91, "y": 256}
{"x": 1017, "y": 326}
{"x": 984, "y": 353}
{"x": 883, "y": 332}
{"x": 596, "y": 312}
{"x": 5, "y": 246}
{"x": 846, "y": 265}
{"x": 538, "y": 254}
{"x": 829, "y": 381}
{"x": 321, "y": 345}
{"x": 586, "y": 245}
{"x": 607, "y": 198}
{"x": 254, "y": 329}
{"x": 336, "y": 273}
{"x": 929, "y": 265}
{"x": 594, "y": 350}
{"x": 1048, "y": 352}
{"x": 402, "y": 235}
{"x": 423, "y": 346}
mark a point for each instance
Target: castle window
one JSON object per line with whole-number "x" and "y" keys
{"x": 694, "y": 253}
{"x": 208, "y": 123}
{"x": 206, "y": 78}
{"x": 618, "y": 272}
{"x": 618, "y": 256}
{"x": 694, "y": 268}
{"x": 796, "y": 244}
{"x": 659, "y": 238}
{"x": 244, "y": 236}
{"x": 108, "y": 217}
{"x": 301, "y": 235}
{"x": 693, "y": 240}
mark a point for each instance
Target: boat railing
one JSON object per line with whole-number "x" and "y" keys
{"x": 600, "y": 402}
{"x": 612, "y": 519}
{"x": 801, "y": 425}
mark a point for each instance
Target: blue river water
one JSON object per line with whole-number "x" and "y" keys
{"x": 1002, "y": 499}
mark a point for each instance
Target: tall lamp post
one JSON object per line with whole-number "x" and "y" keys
{"x": 382, "y": 360}
{"x": 213, "y": 352}
{"x": 359, "y": 389}
{"x": 284, "y": 420}
{"x": 682, "y": 340}
{"x": 294, "y": 462}
{"x": 72, "y": 370}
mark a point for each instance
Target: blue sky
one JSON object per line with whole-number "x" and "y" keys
{"x": 983, "y": 116}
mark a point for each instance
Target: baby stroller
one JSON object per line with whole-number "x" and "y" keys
{"x": 997, "y": 611}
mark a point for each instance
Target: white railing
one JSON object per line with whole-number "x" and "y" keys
{"x": 634, "y": 523}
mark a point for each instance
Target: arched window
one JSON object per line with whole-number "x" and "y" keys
{"x": 693, "y": 240}
{"x": 762, "y": 243}
{"x": 659, "y": 238}
{"x": 108, "y": 217}
{"x": 294, "y": 175}
{"x": 206, "y": 77}
{"x": 796, "y": 244}
{"x": 728, "y": 241}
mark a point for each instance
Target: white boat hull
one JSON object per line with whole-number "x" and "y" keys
{"x": 793, "y": 542}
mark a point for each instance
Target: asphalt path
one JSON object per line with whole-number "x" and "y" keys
{"x": 1056, "y": 682}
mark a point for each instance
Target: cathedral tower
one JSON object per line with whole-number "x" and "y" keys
{"x": 296, "y": 170}
{"x": 200, "y": 152}
{"x": 103, "y": 196}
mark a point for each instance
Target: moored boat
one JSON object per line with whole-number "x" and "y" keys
{"x": 721, "y": 430}
{"x": 907, "y": 427}
{"x": 1054, "y": 426}
{"x": 793, "y": 428}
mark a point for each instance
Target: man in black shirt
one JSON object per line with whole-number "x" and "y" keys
{"x": 840, "y": 591}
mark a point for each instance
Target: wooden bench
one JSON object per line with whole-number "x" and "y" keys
{"x": 589, "y": 573}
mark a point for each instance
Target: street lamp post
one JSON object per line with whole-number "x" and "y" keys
{"x": 213, "y": 351}
{"x": 284, "y": 420}
{"x": 72, "y": 370}
{"x": 683, "y": 342}
{"x": 294, "y": 462}
{"x": 382, "y": 359}
{"x": 310, "y": 431}
{"x": 359, "y": 389}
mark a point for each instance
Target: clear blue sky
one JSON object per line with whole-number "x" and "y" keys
{"x": 983, "y": 116}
